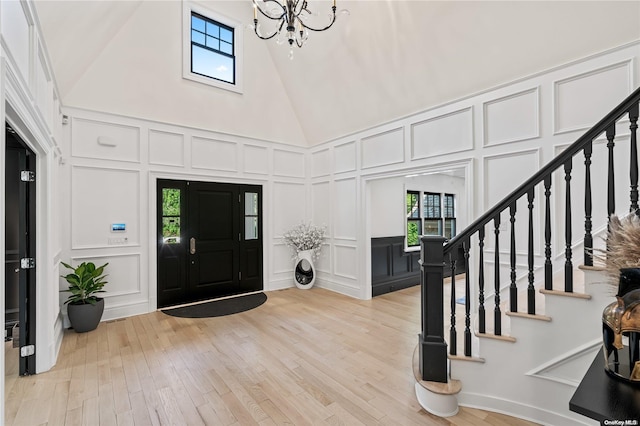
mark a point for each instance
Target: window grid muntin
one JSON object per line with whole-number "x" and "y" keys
{"x": 230, "y": 44}
{"x": 436, "y": 214}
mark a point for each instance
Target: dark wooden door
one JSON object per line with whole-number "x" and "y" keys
{"x": 20, "y": 238}
{"x": 217, "y": 250}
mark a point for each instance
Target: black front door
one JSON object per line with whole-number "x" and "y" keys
{"x": 20, "y": 273}
{"x": 209, "y": 240}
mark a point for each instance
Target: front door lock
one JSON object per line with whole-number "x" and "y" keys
{"x": 192, "y": 245}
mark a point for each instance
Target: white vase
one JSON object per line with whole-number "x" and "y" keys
{"x": 304, "y": 272}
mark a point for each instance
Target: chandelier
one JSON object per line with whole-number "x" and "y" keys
{"x": 293, "y": 20}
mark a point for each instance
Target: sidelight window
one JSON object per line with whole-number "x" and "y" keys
{"x": 171, "y": 215}
{"x": 250, "y": 216}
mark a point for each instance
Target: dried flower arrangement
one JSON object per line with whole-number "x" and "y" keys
{"x": 305, "y": 236}
{"x": 623, "y": 247}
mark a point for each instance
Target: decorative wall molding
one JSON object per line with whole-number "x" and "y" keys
{"x": 448, "y": 133}
{"x": 606, "y": 86}
{"x": 166, "y": 148}
{"x": 344, "y": 157}
{"x": 213, "y": 154}
{"x": 512, "y": 118}
{"x": 119, "y": 142}
{"x": 383, "y": 149}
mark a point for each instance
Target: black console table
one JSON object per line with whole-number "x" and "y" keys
{"x": 602, "y": 397}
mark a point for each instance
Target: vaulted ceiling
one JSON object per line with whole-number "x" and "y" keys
{"x": 387, "y": 60}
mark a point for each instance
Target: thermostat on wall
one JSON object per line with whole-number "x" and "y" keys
{"x": 118, "y": 227}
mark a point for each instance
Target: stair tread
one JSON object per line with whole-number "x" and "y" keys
{"x": 501, "y": 337}
{"x": 574, "y": 294}
{"x": 530, "y": 316}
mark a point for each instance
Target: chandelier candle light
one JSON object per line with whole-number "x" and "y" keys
{"x": 293, "y": 16}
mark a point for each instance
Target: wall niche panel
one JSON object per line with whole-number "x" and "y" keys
{"x": 606, "y": 87}
{"x": 287, "y": 163}
{"x": 344, "y": 157}
{"x": 443, "y": 134}
{"x": 255, "y": 159}
{"x": 320, "y": 163}
{"x": 288, "y": 206}
{"x": 119, "y": 202}
{"x": 104, "y": 141}
{"x": 344, "y": 209}
{"x": 123, "y": 270}
{"x": 214, "y": 154}
{"x": 512, "y": 118}
{"x": 383, "y": 149}
{"x": 166, "y": 149}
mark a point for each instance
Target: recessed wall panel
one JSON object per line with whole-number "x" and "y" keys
{"x": 256, "y": 159}
{"x": 606, "y": 87}
{"x": 321, "y": 163}
{"x": 444, "y": 134}
{"x": 123, "y": 273}
{"x": 214, "y": 154}
{"x": 104, "y": 141}
{"x": 282, "y": 260}
{"x": 118, "y": 202}
{"x": 289, "y": 201}
{"x": 165, "y": 148}
{"x": 323, "y": 263}
{"x": 344, "y": 157}
{"x": 16, "y": 33}
{"x": 321, "y": 204}
{"x": 287, "y": 163}
{"x": 346, "y": 264}
{"x": 383, "y": 149}
{"x": 518, "y": 166}
{"x": 344, "y": 209}
{"x": 512, "y": 118}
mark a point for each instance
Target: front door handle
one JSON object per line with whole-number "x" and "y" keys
{"x": 192, "y": 245}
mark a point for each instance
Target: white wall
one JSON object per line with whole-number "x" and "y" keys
{"x": 499, "y": 137}
{"x": 387, "y": 200}
{"x": 30, "y": 103}
{"x": 120, "y": 158}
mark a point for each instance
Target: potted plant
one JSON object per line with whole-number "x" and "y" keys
{"x": 84, "y": 307}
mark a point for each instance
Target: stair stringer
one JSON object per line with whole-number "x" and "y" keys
{"x": 510, "y": 379}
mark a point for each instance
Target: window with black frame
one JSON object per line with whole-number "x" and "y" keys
{"x": 212, "y": 50}
{"x": 414, "y": 228}
{"x": 429, "y": 213}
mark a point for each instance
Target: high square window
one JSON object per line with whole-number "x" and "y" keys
{"x": 212, "y": 48}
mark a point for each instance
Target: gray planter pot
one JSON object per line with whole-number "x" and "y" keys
{"x": 85, "y": 317}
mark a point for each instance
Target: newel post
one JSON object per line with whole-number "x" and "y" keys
{"x": 432, "y": 347}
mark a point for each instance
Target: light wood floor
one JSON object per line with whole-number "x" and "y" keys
{"x": 304, "y": 357}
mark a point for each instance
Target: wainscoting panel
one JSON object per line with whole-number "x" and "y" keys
{"x": 344, "y": 157}
{"x": 321, "y": 204}
{"x": 606, "y": 88}
{"x": 255, "y": 159}
{"x": 443, "y": 134}
{"x": 288, "y": 206}
{"x": 321, "y": 163}
{"x": 344, "y": 209}
{"x": 287, "y": 163}
{"x": 282, "y": 259}
{"x": 391, "y": 267}
{"x": 104, "y": 141}
{"x": 323, "y": 264}
{"x": 123, "y": 273}
{"x": 91, "y": 220}
{"x": 166, "y": 149}
{"x": 346, "y": 261}
{"x": 512, "y": 118}
{"x": 214, "y": 154}
{"x": 383, "y": 149}
{"x": 16, "y": 32}
{"x": 518, "y": 166}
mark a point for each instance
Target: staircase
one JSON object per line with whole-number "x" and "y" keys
{"x": 518, "y": 330}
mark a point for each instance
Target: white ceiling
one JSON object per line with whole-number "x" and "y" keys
{"x": 387, "y": 60}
